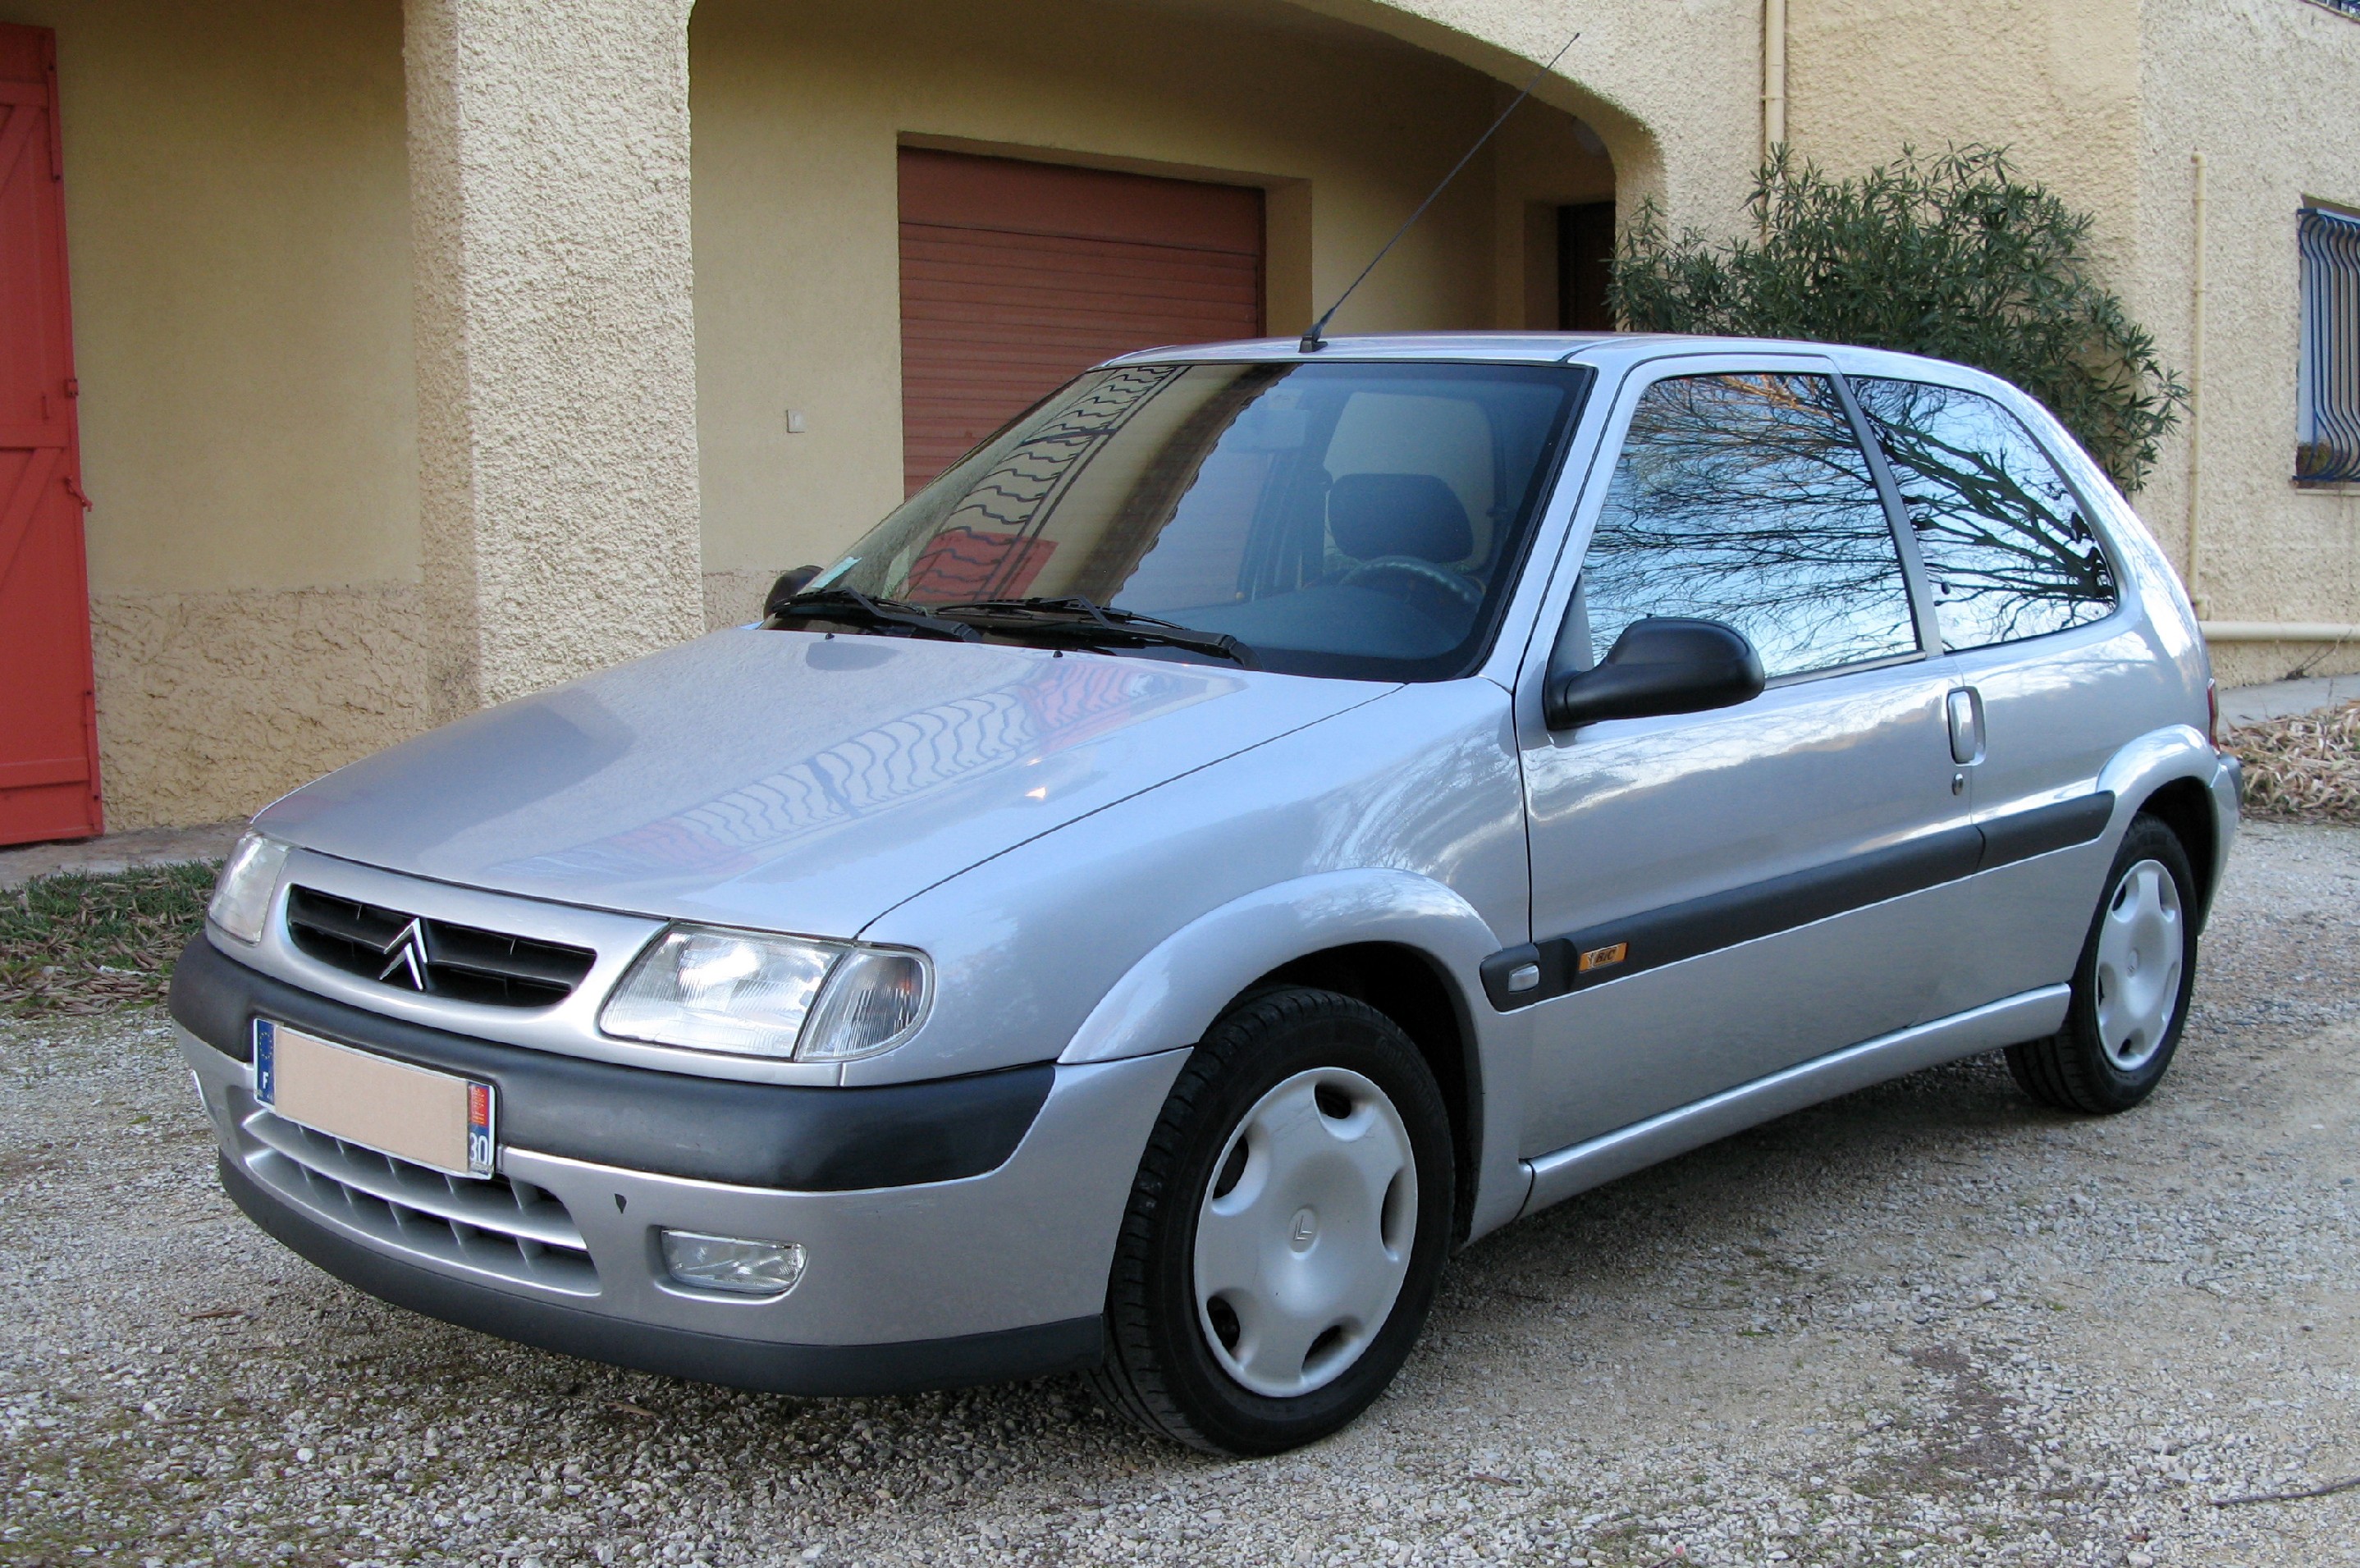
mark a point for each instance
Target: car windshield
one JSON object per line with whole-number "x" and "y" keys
{"x": 1354, "y": 519}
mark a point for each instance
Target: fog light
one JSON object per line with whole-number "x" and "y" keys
{"x": 732, "y": 1263}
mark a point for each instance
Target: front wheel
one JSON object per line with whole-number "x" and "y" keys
{"x": 1286, "y": 1230}
{"x": 2130, "y": 988}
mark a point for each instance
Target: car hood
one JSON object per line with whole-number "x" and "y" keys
{"x": 788, "y": 780}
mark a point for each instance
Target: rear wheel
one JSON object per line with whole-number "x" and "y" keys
{"x": 2131, "y": 987}
{"x": 1286, "y": 1229}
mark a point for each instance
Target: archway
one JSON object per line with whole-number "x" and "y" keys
{"x": 805, "y": 118}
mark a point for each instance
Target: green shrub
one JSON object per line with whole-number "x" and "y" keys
{"x": 1951, "y": 256}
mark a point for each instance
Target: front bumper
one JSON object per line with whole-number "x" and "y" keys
{"x": 999, "y": 1274}
{"x": 740, "y": 1363}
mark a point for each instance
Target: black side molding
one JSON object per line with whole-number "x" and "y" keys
{"x": 1070, "y": 1346}
{"x": 2020, "y": 835}
{"x": 792, "y": 1137}
{"x": 1637, "y": 944}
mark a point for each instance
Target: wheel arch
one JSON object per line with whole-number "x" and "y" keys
{"x": 1406, "y": 944}
{"x": 2176, "y": 776}
{"x": 1406, "y": 985}
{"x": 2185, "y": 806}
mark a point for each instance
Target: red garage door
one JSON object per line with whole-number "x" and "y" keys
{"x": 1016, "y": 276}
{"x": 48, "y": 743}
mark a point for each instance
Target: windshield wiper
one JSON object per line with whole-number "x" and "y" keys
{"x": 853, "y": 607}
{"x": 1076, "y": 619}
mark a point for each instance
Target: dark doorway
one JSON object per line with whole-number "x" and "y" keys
{"x": 1585, "y": 258}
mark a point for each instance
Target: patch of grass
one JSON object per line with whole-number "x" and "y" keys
{"x": 2303, "y": 768}
{"x": 76, "y": 943}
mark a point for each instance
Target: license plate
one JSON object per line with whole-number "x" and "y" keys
{"x": 435, "y": 1119}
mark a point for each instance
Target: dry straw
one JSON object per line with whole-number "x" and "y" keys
{"x": 2304, "y": 767}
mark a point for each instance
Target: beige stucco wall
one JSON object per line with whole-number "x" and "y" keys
{"x": 2054, "y": 81}
{"x": 251, "y": 321}
{"x": 254, "y": 304}
{"x": 237, "y": 228}
{"x": 2104, "y": 101}
{"x": 212, "y": 704}
{"x": 549, "y": 178}
{"x": 2265, "y": 90}
{"x": 606, "y": 463}
{"x": 799, "y": 108}
{"x": 1673, "y": 87}
{"x": 249, "y": 327}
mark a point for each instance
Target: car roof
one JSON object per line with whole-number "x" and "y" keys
{"x": 1605, "y": 351}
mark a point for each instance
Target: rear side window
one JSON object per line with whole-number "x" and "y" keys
{"x": 2005, "y": 545}
{"x": 1746, "y": 499}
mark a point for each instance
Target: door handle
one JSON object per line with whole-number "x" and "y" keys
{"x": 1965, "y": 712}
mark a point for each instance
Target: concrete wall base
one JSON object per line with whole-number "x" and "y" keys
{"x": 211, "y": 705}
{"x": 2256, "y": 663}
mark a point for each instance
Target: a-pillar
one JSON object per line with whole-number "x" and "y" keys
{"x": 549, "y": 178}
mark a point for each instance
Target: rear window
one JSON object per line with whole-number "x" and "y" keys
{"x": 1339, "y": 518}
{"x": 2006, "y": 548}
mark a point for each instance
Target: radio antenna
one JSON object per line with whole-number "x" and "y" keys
{"x": 1312, "y": 341}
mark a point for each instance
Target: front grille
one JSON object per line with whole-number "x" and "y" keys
{"x": 463, "y": 962}
{"x": 512, "y": 1229}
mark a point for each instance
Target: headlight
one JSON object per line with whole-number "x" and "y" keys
{"x": 241, "y": 901}
{"x": 755, "y": 995}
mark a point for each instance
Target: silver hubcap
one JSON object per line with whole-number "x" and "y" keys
{"x": 2139, "y": 951}
{"x": 1304, "y": 1236}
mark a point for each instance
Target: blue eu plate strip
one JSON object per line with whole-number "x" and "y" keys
{"x": 266, "y": 1075}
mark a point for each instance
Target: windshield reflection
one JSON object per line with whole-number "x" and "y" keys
{"x": 1339, "y": 518}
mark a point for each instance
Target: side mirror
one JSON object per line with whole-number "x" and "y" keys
{"x": 1657, "y": 665}
{"x": 789, "y": 584}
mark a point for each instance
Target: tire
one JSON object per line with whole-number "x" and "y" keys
{"x": 1303, "y": 1168}
{"x": 2148, "y": 918}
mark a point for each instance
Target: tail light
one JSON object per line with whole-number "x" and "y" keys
{"x": 2213, "y": 712}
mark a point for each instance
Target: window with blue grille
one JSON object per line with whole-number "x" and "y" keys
{"x": 2327, "y": 439}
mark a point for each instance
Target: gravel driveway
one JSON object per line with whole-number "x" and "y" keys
{"x": 1929, "y": 1323}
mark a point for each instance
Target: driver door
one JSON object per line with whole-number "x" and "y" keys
{"x": 1728, "y": 892}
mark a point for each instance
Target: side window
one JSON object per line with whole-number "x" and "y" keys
{"x": 1746, "y": 499}
{"x": 2005, "y": 545}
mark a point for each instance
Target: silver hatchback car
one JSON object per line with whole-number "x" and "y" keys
{"x": 1261, "y": 821}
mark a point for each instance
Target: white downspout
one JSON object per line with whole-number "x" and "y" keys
{"x": 1773, "y": 76}
{"x": 2196, "y": 405}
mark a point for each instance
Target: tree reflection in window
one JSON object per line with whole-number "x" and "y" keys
{"x": 2005, "y": 541}
{"x": 1746, "y": 499}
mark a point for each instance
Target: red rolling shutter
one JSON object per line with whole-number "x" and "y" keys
{"x": 1016, "y": 276}
{"x": 49, "y": 736}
